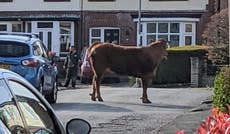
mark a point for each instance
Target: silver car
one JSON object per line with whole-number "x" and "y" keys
{"x": 23, "y": 110}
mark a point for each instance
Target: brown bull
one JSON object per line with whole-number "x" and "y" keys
{"x": 140, "y": 62}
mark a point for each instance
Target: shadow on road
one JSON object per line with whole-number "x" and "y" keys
{"x": 152, "y": 105}
{"x": 87, "y": 107}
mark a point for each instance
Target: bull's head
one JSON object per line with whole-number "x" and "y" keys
{"x": 165, "y": 45}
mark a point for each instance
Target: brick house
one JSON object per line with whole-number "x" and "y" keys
{"x": 56, "y": 21}
{"x": 180, "y": 21}
{"x": 61, "y": 23}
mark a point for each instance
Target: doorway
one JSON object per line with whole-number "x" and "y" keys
{"x": 46, "y": 36}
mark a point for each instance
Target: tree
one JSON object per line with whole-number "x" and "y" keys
{"x": 216, "y": 36}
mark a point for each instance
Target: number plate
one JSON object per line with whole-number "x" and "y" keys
{"x": 5, "y": 66}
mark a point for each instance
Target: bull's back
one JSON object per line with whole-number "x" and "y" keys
{"x": 123, "y": 60}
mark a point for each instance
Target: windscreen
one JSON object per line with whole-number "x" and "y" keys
{"x": 13, "y": 49}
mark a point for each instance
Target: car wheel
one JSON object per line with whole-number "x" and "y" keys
{"x": 52, "y": 97}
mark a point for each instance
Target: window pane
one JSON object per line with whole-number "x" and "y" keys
{"x": 65, "y": 43}
{"x": 96, "y": 40}
{"x": 165, "y": 37}
{"x": 174, "y": 40}
{"x": 36, "y": 50}
{"x": 163, "y": 27}
{"x": 5, "y": 93}
{"x": 188, "y": 40}
{"x": 151, "y": 38}
{"x": 151, "y": 27}
{"x": 96, "y": 33}
{"x": 9, "y": 113}
{"x": 49, "y": 40}
{"x": 45, "y": 24}
{"x": 188, "y": 27}
{"x": 36, "y": 115}
{"x": 3, "y": 27}
{"x": 13, "y": 49}
{"x": 65, "y": 28}
{"x": 29, "y": 27}
{"x": 16, "y": 27}
{"x": 11, "y": 117}
{"x": 174, "y": 27}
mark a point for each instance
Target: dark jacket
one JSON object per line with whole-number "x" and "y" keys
{"x": 71, "y": 60}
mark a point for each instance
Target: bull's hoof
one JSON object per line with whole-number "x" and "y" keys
{"x": 93, "y": 98}
{"x": 145, "y": 100}
{"x": 100, "y": 99}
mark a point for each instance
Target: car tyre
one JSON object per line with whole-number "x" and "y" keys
{"x": 52, "y": 97}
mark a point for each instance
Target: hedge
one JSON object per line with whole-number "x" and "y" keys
{"x": 177, "y": 68}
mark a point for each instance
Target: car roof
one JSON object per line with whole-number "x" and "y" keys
{"x": 18, "y": 38}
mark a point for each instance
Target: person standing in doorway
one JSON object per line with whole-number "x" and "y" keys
{"x": 71, "y": 66}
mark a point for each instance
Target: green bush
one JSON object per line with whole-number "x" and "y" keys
{"x": 221, "y": 97}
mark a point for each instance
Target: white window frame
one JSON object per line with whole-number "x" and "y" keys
{"x": 102, "y": 31}
{"x": 182, "y": 33}
{"x": 71, "y": 34}
{"x": 10, "y": 24}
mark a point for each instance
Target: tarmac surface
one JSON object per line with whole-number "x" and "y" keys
{"x": 189, "y": 122}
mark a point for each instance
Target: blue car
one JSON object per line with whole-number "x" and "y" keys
{"x": 26, "y": 55}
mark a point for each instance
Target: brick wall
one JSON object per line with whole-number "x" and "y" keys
{"x": 123, "y": 21}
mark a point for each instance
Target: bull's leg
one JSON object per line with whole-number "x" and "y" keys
{"x": 145, "y": 84}
{"x": 97, "y": 84}
{"x": 93, "y": 98}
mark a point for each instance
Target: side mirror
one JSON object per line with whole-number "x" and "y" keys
{"x": 78, "y": 126}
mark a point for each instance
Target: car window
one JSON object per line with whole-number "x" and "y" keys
{"x": 13, "y": 49}
{"x": 36, "y": 115}
{"x": 37, "y": 50}
{"x": 9, "y": 114}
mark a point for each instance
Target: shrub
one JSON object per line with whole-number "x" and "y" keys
{"x": 221, "y": 97}
{"x": 216, "y": 35}
{"x": 216, "y": 123}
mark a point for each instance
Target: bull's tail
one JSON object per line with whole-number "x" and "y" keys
{"x": 90, "y": 48}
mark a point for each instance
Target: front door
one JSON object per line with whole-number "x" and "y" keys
{"x": 46, "y": 36}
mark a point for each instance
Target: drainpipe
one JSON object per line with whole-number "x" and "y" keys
{"x": 139, "y": 24}
{"x": 82, "y": 28}
{"x": 139, "y": 41}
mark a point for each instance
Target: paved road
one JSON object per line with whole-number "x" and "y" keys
{"x": 122, "y": 110}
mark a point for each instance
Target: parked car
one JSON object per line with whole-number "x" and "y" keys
{"x": 26, "y": 55}
{"x": 23, "y": 110}
{"x": 86, "y": 72}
